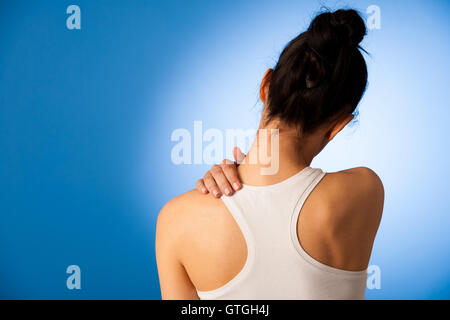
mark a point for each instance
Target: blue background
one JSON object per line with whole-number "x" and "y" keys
{"x": 86, "y": 118}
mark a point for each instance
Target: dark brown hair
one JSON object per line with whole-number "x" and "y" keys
{"x": 321, "y": 74}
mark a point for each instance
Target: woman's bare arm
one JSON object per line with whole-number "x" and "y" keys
{"x": 173, "y": 278}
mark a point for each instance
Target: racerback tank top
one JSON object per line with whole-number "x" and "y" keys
{"x": 277, "y": 267}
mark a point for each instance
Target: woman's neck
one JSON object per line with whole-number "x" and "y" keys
{"x": 275, "y": 155}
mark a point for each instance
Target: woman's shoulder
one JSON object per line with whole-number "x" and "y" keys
{"x": 189, "y": 203}
{"x": 188, "y": 213}
{"x": 343, "y": 214}
{"x": 360, "y": 182}
{"x": 355, "y": 194}
{"x": 362, "y": 174}
{"x": 350, "y": 200}
{"x": 198, "y": 230}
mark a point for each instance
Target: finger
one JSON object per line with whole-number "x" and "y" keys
{"x": 221, "y": 180}
{"x": 200, "y": 185}
{"x": 231, "y": 174}
{"x": 211, "y": 185}
{"x": 227, "y": 161}
{"x": 239, "y": 156}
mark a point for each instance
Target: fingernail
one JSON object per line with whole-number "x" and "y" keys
{"x": 236, "y": 186}
{"x": 204, "y": 190}
{"x": 216, "y": 193}
{"x": 227, "y": 191}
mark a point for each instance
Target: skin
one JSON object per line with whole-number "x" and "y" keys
{"x": 199, "y": 245}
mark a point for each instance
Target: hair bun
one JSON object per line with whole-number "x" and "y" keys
{"x": 351, "y": 23}
{"x": 342, "y": 27}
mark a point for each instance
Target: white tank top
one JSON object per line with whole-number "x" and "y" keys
{"x": 277, "y": 267}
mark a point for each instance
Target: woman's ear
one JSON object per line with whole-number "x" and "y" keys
{"x": 264, "y": 88}
{"x": 338, "y": 126}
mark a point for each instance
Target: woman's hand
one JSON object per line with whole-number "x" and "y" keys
{"x": 223, "y": 178}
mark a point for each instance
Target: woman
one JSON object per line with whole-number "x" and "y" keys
{"x": 296, "y": 233}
